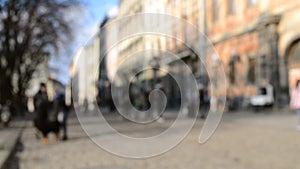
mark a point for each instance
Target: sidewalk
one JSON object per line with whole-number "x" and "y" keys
{"x": 9, "y": 138}
{"x": 243, "y": 140}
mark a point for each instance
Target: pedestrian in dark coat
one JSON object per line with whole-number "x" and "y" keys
{"x": 41, "y": 121}
{"x": 61, "y": 110}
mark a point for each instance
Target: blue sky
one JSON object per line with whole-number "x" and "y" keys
{"x": 89, "y": 17}
{"x": 99, "y": 8}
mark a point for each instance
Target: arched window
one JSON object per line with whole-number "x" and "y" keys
{"x": 294, "y": 57}
{"x": 232, "y": 72}
{"x": 251, "y": 70}
{"x": 232, "y": 66}
{"x": 294, "y": 64}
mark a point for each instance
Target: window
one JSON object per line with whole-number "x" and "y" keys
{"x": 295, "y": 51}
{"x": 231, "y": 6}
{"x": 215, "y": 10}
{"x": 232, "y": 66}
{"x": 251, "y": 70}
{"x": 251, "y": 2}
{"x": 263, "y": 66}
{"x": 232, "y": 72}
{"x": 262, "y": 91}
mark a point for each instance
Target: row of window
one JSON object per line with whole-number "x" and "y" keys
{"x": 231, "y": 7}
{"x": 251, "y": 75}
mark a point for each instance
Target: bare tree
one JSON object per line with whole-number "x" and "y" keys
{"x": 30, "y": 31}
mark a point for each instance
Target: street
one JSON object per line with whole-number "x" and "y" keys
{"x": 141, "y": 58}
{"x": 242, "y": 141}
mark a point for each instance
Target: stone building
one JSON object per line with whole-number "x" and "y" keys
{"x": 77, "y": 73}
{"x": 107, "y": 60}
{"x": 154, "y": 46}
{"x": 84, "y": 72}
{"x": 257, "y": 43}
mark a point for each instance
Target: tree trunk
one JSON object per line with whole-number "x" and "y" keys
{"x": 6, "y": 89}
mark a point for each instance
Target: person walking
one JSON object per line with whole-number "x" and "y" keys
{"x": 61, "y": 112}
{"x": 41, "y": 121}
{"x": 85, "y": 105}
{"x": 295, "y": 101}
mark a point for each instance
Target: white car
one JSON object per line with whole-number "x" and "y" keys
{"x": 264, "y": 97}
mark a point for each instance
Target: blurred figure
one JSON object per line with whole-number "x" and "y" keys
{"x": 204, "y": 102}
{"x": 85, "y": 105}
{"x": 295, "y": 101}
{"x": 41, "y": 121}
{"x": 5, "y": 113}
{"x": 61, "y": 112}
{"x": 159, "y": 86}
{"x": 147, "y": 92}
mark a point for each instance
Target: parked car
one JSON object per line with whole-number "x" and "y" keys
{"x": 264, "y": 97}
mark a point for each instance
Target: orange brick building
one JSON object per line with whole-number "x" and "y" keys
{"x": 257, "y": 42}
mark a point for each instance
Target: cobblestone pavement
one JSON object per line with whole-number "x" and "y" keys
{"x": 9, "y": 136}
{"x": 242, "y": 141}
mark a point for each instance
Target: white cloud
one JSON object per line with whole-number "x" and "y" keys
{"x": 77, "y": 14}
{"x": 113, "y": 12}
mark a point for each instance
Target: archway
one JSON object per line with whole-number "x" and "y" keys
{"x": 293, "y": 62}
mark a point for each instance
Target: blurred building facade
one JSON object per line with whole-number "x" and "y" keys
{"x": 84, "y": 72}
{"x": 107, "y": 60}
{"x": 257, "y": 41}
{"x": 91, "y": 53}
{"x": 155, "y": 47}
{"x": 74, "y": 77}
{"x": 77, "y": 72}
